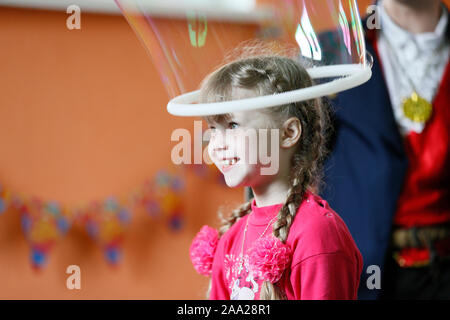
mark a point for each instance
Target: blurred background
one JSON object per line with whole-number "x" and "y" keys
{"x": 85, "y": 170}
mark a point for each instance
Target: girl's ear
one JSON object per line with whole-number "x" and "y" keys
{"x": 291, "y": 130}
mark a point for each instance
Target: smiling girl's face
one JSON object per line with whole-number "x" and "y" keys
{"x": 242, "y": 144}
{"x": 234, "y": 147}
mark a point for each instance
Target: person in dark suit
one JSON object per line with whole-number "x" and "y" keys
{"x": 388, "y": 173}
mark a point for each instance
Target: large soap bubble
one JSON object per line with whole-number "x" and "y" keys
{"x": 200, "y": 35}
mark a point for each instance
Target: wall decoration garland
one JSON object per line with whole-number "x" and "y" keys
{"x": 44, "y": 222}
{"x": 161, "y": 198}
{"x": 106, "y": 223}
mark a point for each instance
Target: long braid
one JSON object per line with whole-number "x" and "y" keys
{"x": 305, "y": 170}
{"x": 235, "y": 215}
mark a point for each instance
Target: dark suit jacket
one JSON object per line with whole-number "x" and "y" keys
{"x": 365, "y": 172}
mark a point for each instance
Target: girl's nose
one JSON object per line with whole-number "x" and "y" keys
{"x": 218, "y": 142}
{"x": 220, "y": 148}
{"x": 217, "y": 147}
{"x": 218, "y": 151}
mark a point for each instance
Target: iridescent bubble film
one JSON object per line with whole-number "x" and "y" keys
{"x": 193, "y": 37}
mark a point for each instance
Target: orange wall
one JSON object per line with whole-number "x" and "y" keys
{"x": 82, "y": 117}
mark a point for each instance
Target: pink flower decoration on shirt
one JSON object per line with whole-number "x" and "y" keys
{"x": 203, "y": 248}
{"x": 268, "y": 258}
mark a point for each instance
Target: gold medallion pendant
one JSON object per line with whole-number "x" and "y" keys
{"x": 417, "y": 108}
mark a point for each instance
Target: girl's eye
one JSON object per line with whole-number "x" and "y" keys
{"x": 233, "y": 125}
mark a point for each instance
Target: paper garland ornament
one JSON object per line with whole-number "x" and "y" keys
{"x": 161, "y": 198}
{"x": 43, "y": 223}
{"x": 106, "y": 223}
{"x": 2, "y": 202}
{"x": 2, "y": 206}
{"x": 46, "y": 222}
{"x": 5, "y": 199}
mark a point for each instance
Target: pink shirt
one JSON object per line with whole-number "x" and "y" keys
{"x": 326, "y": 264}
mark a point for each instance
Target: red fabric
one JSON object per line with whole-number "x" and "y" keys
{"x": 413, "y": 257}
{"x": 326, "y": 264}
{"x": 425, "y": 198}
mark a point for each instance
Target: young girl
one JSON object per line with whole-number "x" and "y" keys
{"x": 286, "y": 242}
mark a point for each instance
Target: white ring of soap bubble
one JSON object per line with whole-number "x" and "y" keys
{"x": 352, "y": 75}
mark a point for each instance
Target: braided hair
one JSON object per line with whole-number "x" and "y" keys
{"x": 271, "y": 74}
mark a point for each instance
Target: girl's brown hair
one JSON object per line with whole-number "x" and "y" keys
{"x": 266, "y": 75}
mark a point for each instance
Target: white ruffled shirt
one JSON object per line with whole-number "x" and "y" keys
{"x": 423, "y": 57}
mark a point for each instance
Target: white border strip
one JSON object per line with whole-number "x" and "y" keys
{"x": 163, "y": 8}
